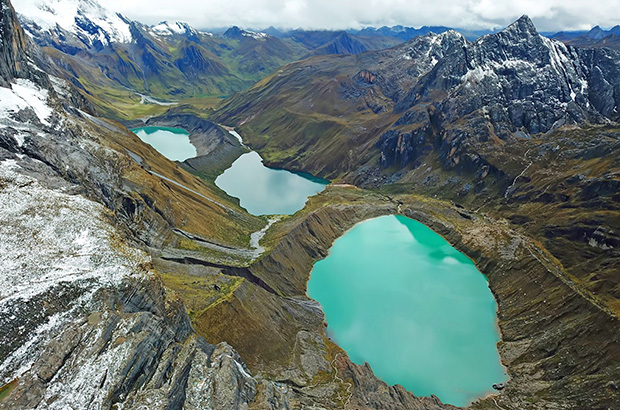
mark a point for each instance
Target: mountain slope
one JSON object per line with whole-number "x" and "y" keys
{"x": 346, "y": 43}
{"x": 104, "y": 241}
{"x": 129, "y": 70}
{"x": 512, "y": 128}
{"x": 511, "y": 83}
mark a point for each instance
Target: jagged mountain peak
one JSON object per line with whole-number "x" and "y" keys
{"x": 523, "y": 27}
{"x": 432, "y": 47}
{"x": 93, "y": 24}
{"x": 452, "y": 36}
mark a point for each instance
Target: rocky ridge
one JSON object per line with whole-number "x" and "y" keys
{"x": 85, "y": 320}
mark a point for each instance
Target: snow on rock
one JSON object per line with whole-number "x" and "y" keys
{"x": 166, "y": 28}
{"x": 24, "y": 94}
{"x": 84, "y": 18}
{"x": 254, "y": 35}
{"x": 49, "y": 242}
{"x": 48, "y": 237}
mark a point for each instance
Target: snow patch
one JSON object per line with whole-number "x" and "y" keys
{"x": 77, "y": 17}
{"x": 50, "y": 240}
{"x": 166, "y": 29}
{"x": 478, "y": 74}
{"x": 48, "y": 237}
{"x": 255, "y": 35}
{"x": 24, "y": 94}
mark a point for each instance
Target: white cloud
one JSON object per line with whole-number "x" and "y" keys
{"x": 338, "y": 14}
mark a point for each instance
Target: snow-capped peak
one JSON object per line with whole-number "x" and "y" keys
{"x": 167, "y": 28}
{"x": 254, "y": 34}
{"x": 87, "y": 19}
{"x": 236, "y": 32}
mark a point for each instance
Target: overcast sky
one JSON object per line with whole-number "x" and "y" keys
{"x": 339, "y": 14}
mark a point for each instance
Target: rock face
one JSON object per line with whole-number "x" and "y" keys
{"x": 12, "y": 45}
{"x": 515, "y": 82}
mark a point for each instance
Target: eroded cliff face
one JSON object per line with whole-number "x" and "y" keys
{"x": 12, "y": 45}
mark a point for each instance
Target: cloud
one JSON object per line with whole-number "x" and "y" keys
{"x": 548, "y": 15}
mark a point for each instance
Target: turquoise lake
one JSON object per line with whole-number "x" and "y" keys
{"x": 173, "y": 143}
{"x": 398, "y": 296}
{"x": 267, "y": 191}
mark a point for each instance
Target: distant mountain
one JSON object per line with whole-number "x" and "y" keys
{"x": 166, "y": 29}
{"x": 236, "y": 33}
{"x": 318, "y": 42}
{"x": 435, "y": 92}
{"x": 595, "y": 38}
{"x": 346, "y": 43}
{"x": 85, "y": 20}
{"x": 123, "y": 66}
{"x": 272, "y": 31}
{"x": 407, "y": 33}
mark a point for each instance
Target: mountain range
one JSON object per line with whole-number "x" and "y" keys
{"x": 127, "y": 69}
{"x": 132, "y": 281}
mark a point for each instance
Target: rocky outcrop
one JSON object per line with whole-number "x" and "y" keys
{"x": 13, "y": 44}
{"x": 135, "y": 349}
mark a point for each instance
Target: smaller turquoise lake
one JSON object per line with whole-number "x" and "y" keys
{"x": 400, "y": 297}
{"x": 173, "y": 143}
{"x": 267, "y": 191}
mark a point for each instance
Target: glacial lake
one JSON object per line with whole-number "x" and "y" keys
{"x": 400, "y": 297}
{"x": 266, "y": 191}
{"x": 173, "y": 143}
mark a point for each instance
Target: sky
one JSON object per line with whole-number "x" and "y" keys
{"x": 548, "y": 15}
